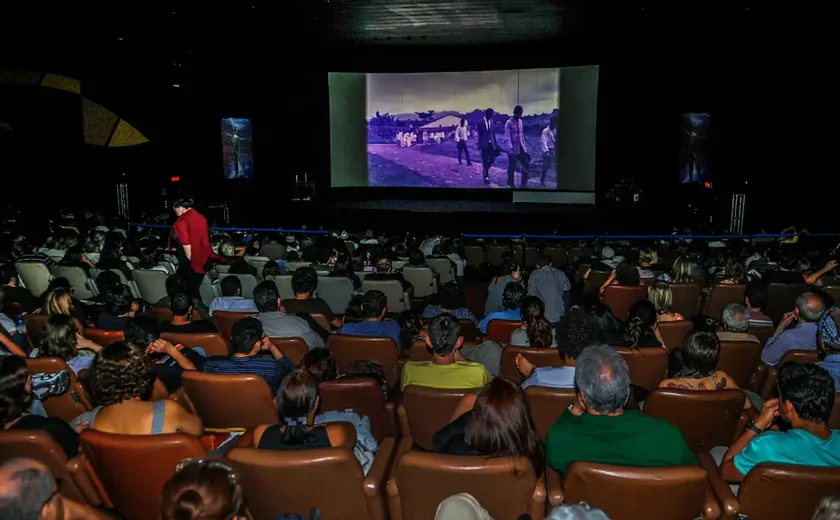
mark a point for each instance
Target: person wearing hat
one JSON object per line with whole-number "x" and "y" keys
{"x": 191, "y": 238}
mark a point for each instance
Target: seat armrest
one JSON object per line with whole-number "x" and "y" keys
{"x": 76, "y": 469}
{"x": 404, "y": 445}
{"x": 538, "y": 499}
{"x": 711, "y": 508}
{"x": 758, "y": 377}
{"x": 380, "y": 469}
{"x": 554, "y": 485}
{"x": 768, "y": 388}
{"x": 725, "y": 497}
{"x": 408, "y": 297}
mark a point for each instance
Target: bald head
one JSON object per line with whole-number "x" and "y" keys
{"x": 26, "y": 486}
{"x": 810, "y": 307}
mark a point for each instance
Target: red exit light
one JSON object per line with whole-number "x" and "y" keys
{"x": 708, "y": 185}
{"x": 176, "y": 179}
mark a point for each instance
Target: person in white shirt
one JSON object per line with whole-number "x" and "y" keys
{"x": 514, "y": 132}
{"x": 547, "y": 142}
{"x": 399, "y": 138}
{"x": 461, "y": 136}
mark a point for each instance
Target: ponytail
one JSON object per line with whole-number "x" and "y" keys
{"x": 540, "y": 332}
{"x": 634, "y": 331}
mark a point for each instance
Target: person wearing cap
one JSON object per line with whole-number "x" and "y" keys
{"x": 191, "y": 238}
{"x": 828, "y": 343}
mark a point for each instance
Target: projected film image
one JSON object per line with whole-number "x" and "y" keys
{"x": 488, "y": 129}
{"x": 694, "y": 157}
{"x": 237, "y": 148}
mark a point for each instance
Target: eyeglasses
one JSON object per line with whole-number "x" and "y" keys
{"x": 58, "y": 484}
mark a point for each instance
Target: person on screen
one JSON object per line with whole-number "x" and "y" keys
{"x": 547, "y": 142}
{"x": 487, "y": 143}
{"x": 235, "y": 141}
{"x": 516, "y": 148}
{"x": 461, "y": 136}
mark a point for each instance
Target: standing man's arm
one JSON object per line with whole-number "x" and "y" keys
{"x": 544, "y": 142}
{"x": 182, "y": 230}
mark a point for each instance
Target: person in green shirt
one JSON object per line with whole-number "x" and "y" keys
{"x": 598, "y": 429}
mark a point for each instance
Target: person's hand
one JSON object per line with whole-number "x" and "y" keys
{"x": 830, "y": 265}
{"x": 769, "y": 412}
{"x": 786, "y": 320}
{"x": 265, "y": 344}
{"x": 525, "y": 367}
{"x": 82, "y": 426}
{"x": 159, "y": 346}
{"x": 135, "y": 306}
{"x": 82, "y": 341}
{"x": 281, "y": 308}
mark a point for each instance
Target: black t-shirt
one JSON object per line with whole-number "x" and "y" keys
{"x": 60, "y": 431}
{"x": 783, "y": 277}
{"x": 309, "y": 306}
{"x": 193, "y": 327}
{"x": 451, "y": 440}
{"x": 169, "y": 372}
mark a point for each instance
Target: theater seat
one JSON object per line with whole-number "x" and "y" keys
{"x": 132, "y": 469}
{"x": 720, "y": 296}
{"x": 212, "y": 342}
{"x": 506, "y": 487}
{"x": 648, "y": 366}
{"x": 294, "y": 348}
{"x": 230, "y": 400}
{"x": 540, "y": 357}
{"x": 674, "y": 332}
{"x": 769, "y": 389}
{"x": 398, "y": 299}
{"x": 364, "y": 396}
{"x": 71, "y": 403}
{"x": 224, "y": 320}
{"x": 740, "y": 359}
{"x": 619, "y": 298}
{"x": 548, "y": 404}
{"x": 346, "y": 349}
{"x": 104, "y": 337}
{"x": 500, "y": 330}
{"x": 426, "y": 410}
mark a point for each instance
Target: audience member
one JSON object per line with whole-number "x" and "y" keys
{"x": 640, "y": 329}
{"x": 662, "y": 297}
{"x": 12, "y": 291}
{"x": 536, "y": 331}
{"x": 374, "y": 309}
{"x": 552, "y": 286}
{"x": 231, "y": 298}
{"x": 828, "y": 343}
{"x": 450, "y": 300}
{"x": 61, "y": 340}
{"x": 495, "y": 291}
{"x": 512, "y": 297}
{"x": 203, "y": 489}
{"x": 278, "y": 324}
{"x": 803, "y": 336}
{"x": 304, "y": 282}
{"x": 168, "y": 361}
{"x": 736, "y": 324}
{"x": 119, "y": 308}
{"x": 755, "y": 298}
{"x": 182, "y": 322}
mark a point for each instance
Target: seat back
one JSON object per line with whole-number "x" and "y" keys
{"x": 633, "y": 493}
{"x": 475, "y": 255}
{"x": 494, "y": 254}
{"x": 346, "y": 349}
{"x": 39, "y": 445}
{"x": 151, "y": 284}
{"x": 71, "y": 403}
{"x": 500, "y": 330}
{"x": 336, "y": 291}
{"x": 104, "y": 337}
{"x": 557, "y": 254}
{"x": 273, "y": 251}
{"x": 230, "y": 400}
{"x": 443, "y": 267}
{"x": 674, "y": 332}
{"x": 335, "y": 469}
{"x": 720, "y": 296}
{"x": 740, "y": 359}
{"x": 208, "y": 290}
{"x": 321, "y": 319}
{"x": 224, "y": 320}
{"x": 284, "y": 286}
{"x": 258, "y": 263}
{"x": 426, "y": 410}
{"x": 83, "y": 286}
{"x": 762, "y": 333}
{"x": 468, "y": 329}
{"x": 294, "y": 266}
{"x": 423, "y": 280}
{"x": 249, "y": 283}
{"x": 132, "y": 469}
{"x": 35, "y": 327}
{"x": 548, "y": 404}
{"x": 212, "y": 342}
{"x": 834, "y": 292}
{"x": 541, "y": 357}
{"x": 505, "y": 487}
{"x": 364, "y": 396}
{"x": 595, "y": 280}
{"x": 771, "y": 491}
{"x": 160, "y": 313}
{"x": 620, "y": 298}
{"x": 648, "y": 366}
{"x": 35, "y": 276}
{"x": 393, "y": 291}
{"x": 686, "y": 299}
{"x": 781, "y": 298}
{"x": 293, "y": 347}
{"x": 706, "y": 418}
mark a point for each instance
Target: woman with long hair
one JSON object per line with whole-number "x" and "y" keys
{"x": 640, "y": 329}
{"x": 496, "y": 422}
{"x": 60, "y": 339}
{"x": 536, "y": 331}
{"x": 662, "y": 297}
{"x": 680, "y": 272}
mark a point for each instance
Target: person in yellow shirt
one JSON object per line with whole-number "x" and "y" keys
{"x": 448, "y": 368}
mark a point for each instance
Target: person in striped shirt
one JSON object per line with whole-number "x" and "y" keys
{"x": 755, "y": 297}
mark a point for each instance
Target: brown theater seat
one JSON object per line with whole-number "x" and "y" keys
{"x": 71, "y": 403}
{"x": 674, "y": 332}
{"x": 38, "y": 445}
{"x": 294, "y": 348}
{"x": 500, "y": 330}
{"x": 648, "y": 366}
{"x": 132, "y": 469}
{"x": 346, "y": 349}
{"x": 769, "y": 389}
{"x": 468, "y": 328}
{"x": 548, "y": 404}
{"x": 685, "y": 299}
{"x": 364, "y": 396}
{"x": 230, "y": 400}
{"x": 720, "y": 296}
{"x": 619, "y": 298}
{"x": 212, "y": 342}
{"x": 420, "y": 351}
{"x": 35, "y": 327}
{"x": 595, "y": 280}
{"x": 706, "y": 418}
{"x": 224, "y": 320}
{"x": 740, "y": 359}
{"x": 541, "y": 357}
{"x": 762, "y": 333}
{"x": 329, "y": 479}
{"x": 504, "y": 486}
{"x": 426, "y": 410}
{"x": 104, "y": 337}
{"x": 781, "y": 298}
{"x": 633, "y": 493}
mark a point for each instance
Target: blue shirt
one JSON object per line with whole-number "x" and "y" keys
{"x": 270, "y": 369}
{"x": 507, "y": 314}
{"x": 794, "y": 447}
{"x": 494, "y": 295}
{"x": 387, "y": 328}
{"x": 801, "y": 337}
{"x": 554, "y": 377}
{"x": 549, "y": 285}
{"x": 232, "y": 303}
{"x": 832, "y": 366}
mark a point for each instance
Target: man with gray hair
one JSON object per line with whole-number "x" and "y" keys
{"x": 803, "y": 336}
{"x": 598, "y": 429}
{"x": 736, "y": 324}
{"x": 28, "y": 491}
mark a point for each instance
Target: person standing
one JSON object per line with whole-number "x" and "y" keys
{"x": 548, "y": 144}
{"x": 487, "y": 143}
{"x": 516, "y": 147}
{"x": 461, "y": 136}
{"x": 192, "y": 242}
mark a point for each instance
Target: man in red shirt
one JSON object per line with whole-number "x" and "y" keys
{"x": 193, "y": 243}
